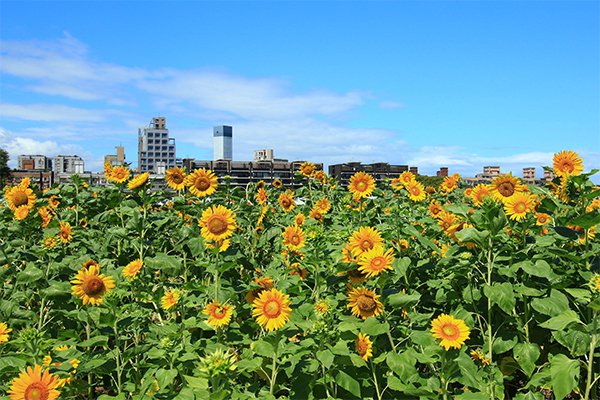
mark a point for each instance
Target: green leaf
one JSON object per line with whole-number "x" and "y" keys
{"x": 576, "y": 339}
{"x": 582, "y": 295}
{"x": 30, "y": 274}
{"x": 57, "y": 289}
{"x": 529, "y": 396}
{"x": 586, "y": 221}
{"x": 553, "y": 305}
{"x": 501, "y": 294}
{"x": 561, "y": 321}
{"x": 401, "y": 266}
{"x": 541, "y": 268}
{"x": 564, "y": 374}
{"x": 469, "y": 375}
{"x": 165, "y": 377}
{"x": 403, "y": 299}
{"x": 349, "y": 383}
{"x": 373, "y": 327}
{"x": 472, "y": 235}
{"x": 402, "y": 364}
{"x": 95, "y": 341}
{"x": 526, "y": 355}
{"x": 264, "y": 349}
{"x": 167, "y": 264}
{"x": 325, "y": 357}
{"x": 196, "y": 382}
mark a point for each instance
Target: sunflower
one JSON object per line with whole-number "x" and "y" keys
{"x": 170, "y": 299}
{"x": 21, "y": 212}
{"x": 91, "y": 286}
{"x": 46, "y": 215}
{"x": 324, "y": 205}
{"x": 25, "y": 182}
{"x": 373, "y": 262}
{"x": 218, "y": 314}
{"x": 542, "y": 218}
{"x": 364, "y": 302}
{"x": 403, "y": 244}
{"x": 138, "y": 181}
{"x": 595, "y": 204}
{"x": 286, "y": 201}
{"x": 468, "y": 192}
{"x": 361, "y": 184}
{"x": 446, "y": 220}
{"x": 449, "y": 184}
{"x": 217, "y": 222}
{"x": 452, "y": 331}
{"x": 356, "y": 277}
{"x": 119, "y": 174}
{"x": 265, "y": 283}
{"x": 17, "y": 196}
{"x": 307, "y": 168}
{"x": 364, "y": 346}
{"x": 435, "y": 208}
{"x": 202, "y": 182}
{"x": 272, "y": 309}
{"x": 88, "y": 263}
{"x": 480, "y": 193}
{"x": 299, "y": 220}
{"x": 293, "y": 237}
{"x": 595, "y": 283}
{"x": 175, "y": 178}
{"x": 518, "y": 205}
{"x": 277, "y": 183}
{"x": 416, "y": 192}
{"x": 261, "y": 196}
{"x": 505, "y": 186}
{"x": 320, "y": 176}
{"x": 477, "y": 355}
{"x": 364, "y": 239}
{"x": 222, "y": 245}
{"x": 295, "y": 269}
{"x": 317, "y": 214}
{"x": 406, "y": 177}
{"x": 567, "y": 163}
{"x": 32, "y": 384}
{"x": 49, "y": 242}
{"x": 4, "y": 331}
{"x": 133, "y": 268}
{"x": 65, "y": 233}
{"x": 322, "y": 307}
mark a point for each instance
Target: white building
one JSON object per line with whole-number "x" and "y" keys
{"x": 155, "y": 146}
{"x": 223, "y": 142}
{"x": 68, "y": 164}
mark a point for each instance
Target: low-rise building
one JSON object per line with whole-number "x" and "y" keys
{"x": 380, "y": 171}
{"x": 27, "y": 162}
{"x": 68, "y": 164}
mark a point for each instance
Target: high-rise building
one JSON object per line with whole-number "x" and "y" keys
{"x": 36, "y": 162}
{"x": 68, "y": 164}
{"x": 155, "y": 146}
{"x": 116, "y": 159}
{"x": 222, "y": 142}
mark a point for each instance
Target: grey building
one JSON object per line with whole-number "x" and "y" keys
{"x": 155, "y": 146}
{"x": 68, "y": 164}
{"x": 223, "y": 142}
{"x": 36, "y": 162}
{"x": 379, "y": 171}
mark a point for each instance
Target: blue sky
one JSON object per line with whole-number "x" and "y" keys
{"x": 460, "y": 84}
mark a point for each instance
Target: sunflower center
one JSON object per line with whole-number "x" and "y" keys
{"x": 177, "y": 178}
{"x": 506, "y": 189}
{"x": 93, "y": 286}
{"x": 361, "y": 186}
{"x": 378, "y": 263}
{"x": 272, "y": 309}
{"x": 285, "y": 203}
{"x": 219, "y": 312}
{"x": 217, "y": 225}
{"x": 20, "y": 198}
{"x": 567, "y": 166}
{"x": 366, "y": 244}
{"x": 361, "y": 347}
{"x": 202, "y": 183}
{"x": 450, "y": 331}
{"x": 366, "y": 303}
{"x": 520, "y": 207}
{"x": 36, "y": 391}
{"x": 415, "y": 191}
{"x": 295, "y": 239}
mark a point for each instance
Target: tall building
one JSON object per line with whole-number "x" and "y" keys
{"x": 68, "y": 164}
{"x": 116, "y": 159}
{"x": 36, "y": 162}
{"x": 155, "y": 146}
{"x": 222, "y": 142}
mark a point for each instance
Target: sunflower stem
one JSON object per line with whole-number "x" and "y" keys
{"x": 490, "y": 337}
{"x": 88, "y": 335}
{"x": 590, "y": 362}
{"x": 375, "y": 380}
{"x": 273, "y": 375}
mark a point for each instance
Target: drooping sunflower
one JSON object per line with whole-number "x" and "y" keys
{"x": 316, "y": 213}
{"x": 505, "y": 186}
{"x": 119, "y": 174}
{"x": 322, "y": 307}
{"x": 265, "y": 283}
{"x": 375, "y": 261}
{"x": 320, "y": 176}
{"x": 17, "y": 196}
{"x": 364, "y": 302}
{"x": 53, "y": 201}
{"x": 175, "y": 178}
{"x": 299, "y": 220}
{"x": 435, "y": 208}
{"x": 34, "y": 384}
{"x": 222, "y": 245}
{"x": 49, "y": 242}
{"x": 261, "y": 196}
{"x": 202, "y": 182}
{"x": 361, "y": 184}
{"x": 87, "y": 263}
{"x": 307, "y": 168}
{"x": 271, "y": 309}
{"x": 364, "y": 346}
{"x": 133, "y": 268}
{"x": 416, "y": 192}
{"x": 567, "y": 163}
{"x": 277, "y": 183}
{"x": 46, "y": 215}
{"x": 480, "y": 193}
{"x": 4, "y": 331}
{"x": 356, "y": 277}
{"x": 518, "y": 205}
{"x": 65, "y": 233}
{"x": 324, "y": 205}
{"x": 21, "y": 212}
{"x": 364, "y": 239}
{"x": 91, "y": 286}
{"x": 286, "y": 201}
{"x": 446, "y": 220}
{"x": 217, "y": 223}
{"x": 218, "y": 314}
{"x": 293, "y": 237}
{"x": 170, "y": 299}
{"x": 138, "y": 181}
{"x": 452, "y": 331}
{"x": 477, "y": 355}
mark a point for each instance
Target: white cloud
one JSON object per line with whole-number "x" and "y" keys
{"x": 52, "y": 113}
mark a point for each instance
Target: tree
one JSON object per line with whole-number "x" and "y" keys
{"x": 4, "y": 170}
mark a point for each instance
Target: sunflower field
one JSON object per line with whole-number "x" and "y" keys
{"x": 387, "y": 291}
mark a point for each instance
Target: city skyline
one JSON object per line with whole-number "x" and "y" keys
{"x": 437, "y": 84}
